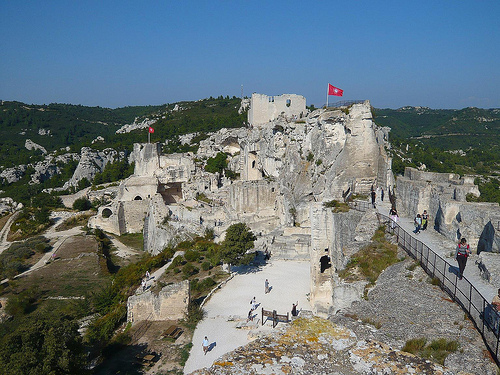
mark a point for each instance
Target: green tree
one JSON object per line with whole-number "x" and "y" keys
{"x": 82, "y": 204}
{"x": 44, "y": 346}
{"x": 217, "y": 164}
{"x": 239, "y": 239}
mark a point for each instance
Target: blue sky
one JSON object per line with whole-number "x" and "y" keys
{"x": 440, "y": 54}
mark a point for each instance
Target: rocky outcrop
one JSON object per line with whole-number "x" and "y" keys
{"x": 144, "y": 124}
{"x": 14, "y": 174}
{"x": 30, "y": 145}
{"x": 92, "y": 162}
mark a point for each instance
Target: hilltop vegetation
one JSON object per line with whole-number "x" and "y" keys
{"x": 465, "y": 141}
{"x": 58, "y": 126}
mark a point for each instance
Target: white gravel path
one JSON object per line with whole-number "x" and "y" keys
{"x": 290, "y": 282}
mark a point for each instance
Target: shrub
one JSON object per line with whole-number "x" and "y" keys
{"x": 41, "y": 247}
{"x": 437, "y": 350}
{"x": 191, "y": 255}
{"x": 189, "y": 270}
{"x": 310, "y": 156}
{"x": 205, "y": 266}
{"x": 82, "y": 204}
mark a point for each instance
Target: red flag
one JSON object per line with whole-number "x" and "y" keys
{"x": 151, "y": 130}
{"x": 332, "y": 90}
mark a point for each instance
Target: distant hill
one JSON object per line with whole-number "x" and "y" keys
{"x": 465, "y": 141}
{"x": 55, "y": 126}
{"x": 447, "y": 129}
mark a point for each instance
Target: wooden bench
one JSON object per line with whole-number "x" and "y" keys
{"x": 275, "y": 317}
{"x": 173, "y": 332}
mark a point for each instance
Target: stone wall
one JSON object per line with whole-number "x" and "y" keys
{"x": 137, "y": 188}
{"x": 170, "y": 304}
{"x": 337, "y": 236}
{"x": 254, "y": 197}
{"x": 146, "y": 158}
{"x": 443, "y": 195}
{"x": 264, "y": 109}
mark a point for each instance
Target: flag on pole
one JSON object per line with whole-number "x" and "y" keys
{"x": 332, "y": 90}
{"x": 151, "y": 130}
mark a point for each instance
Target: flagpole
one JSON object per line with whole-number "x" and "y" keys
{"x": 327, "y": 96}
{"x": 149, "y": 136}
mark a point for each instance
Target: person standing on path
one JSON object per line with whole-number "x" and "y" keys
{"x": 294, "y": 309}
{"x": 374, "y": 195}
{"x": 205, "y": 345}
{"x": 393, "y": 214}
{"x": 266, "y": 286}
{"x": 253, "y": 302}
{"x": 418, "y": 224}
{"x": 382, "y": 194}
{"x": 461, "y": 256}
{"x": 425, "y": 219}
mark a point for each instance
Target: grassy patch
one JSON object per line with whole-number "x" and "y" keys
{"x": 436, "y": 351}
{"x": 369, "y": 262}
{"x": 3, "y": 220}
{"x": 133, "y": 240}
{"x": 184, "y": 355}
{"x": 337, "y": 206}
{"x": 75, "y": 221}
{"x": 435, "y": 281}
{"x": 412, "y": 266}
{"x": 374, "y": 323}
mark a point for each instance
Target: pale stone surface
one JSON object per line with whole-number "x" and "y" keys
{"x": 30, "y": 145}
{"x": 92, "y": 162}
{"x": 443, "y": 195}
{"x": 170, "y": 304}
{"x": 264, "y": 109}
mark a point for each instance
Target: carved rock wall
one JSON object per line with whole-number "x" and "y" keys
{"x": 170, "y": 304}
{"x": 443, "y": 195}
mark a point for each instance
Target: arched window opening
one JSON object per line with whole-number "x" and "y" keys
{"x": 106, "y": 213}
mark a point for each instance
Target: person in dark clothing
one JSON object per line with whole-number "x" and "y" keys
{"x": 425, "y": 219}
{"x": 461, "y": 256}
{"x": 382, "y": 195}
{"x": 294, "y": 309}
{"x": 373, "y": 197}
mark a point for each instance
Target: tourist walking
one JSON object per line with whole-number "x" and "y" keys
{"x": 425, "y": 219}
{"x": 205, "y": 345}
{"x": 382, "y": 194}
{"x": 496, "y": 301}
{"x": 418, "y": 224}
{"x": 266, "y": 286}
{"x": 461, "y": 256}
{"x": 393, "y": 215}
{"x": 374, "y": 195}
{"x": 143, "y": 283}
{"x": 253, "y": 302}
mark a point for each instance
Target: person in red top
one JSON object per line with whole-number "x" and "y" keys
{"x": 461, "y": 256}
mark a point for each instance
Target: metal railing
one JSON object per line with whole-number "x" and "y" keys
{"x": 343, "y": 103}
{"x": 485, "y": 318}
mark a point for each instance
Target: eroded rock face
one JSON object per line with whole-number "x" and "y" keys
{"x": 92, "y": 162}
{"x": 14, "y": 174}
{"x": 30, "y": 145}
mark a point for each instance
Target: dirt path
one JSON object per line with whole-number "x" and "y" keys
{"x": 4, "y": 244}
